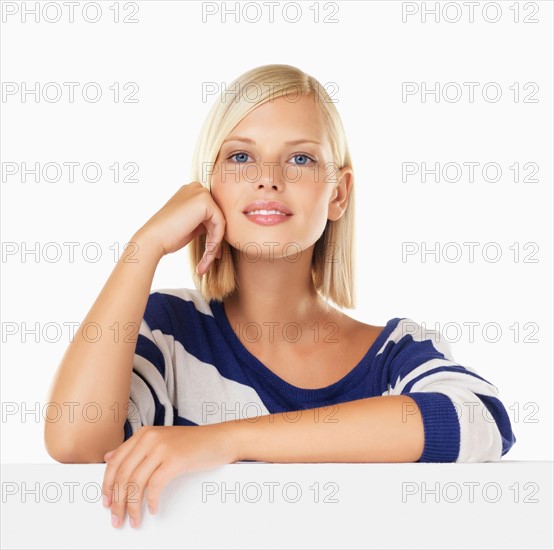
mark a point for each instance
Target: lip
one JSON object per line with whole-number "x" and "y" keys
{"x": 267, "y": 205}
{"x": 269, "y": 219}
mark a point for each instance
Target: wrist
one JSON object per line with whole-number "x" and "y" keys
{"x": 148, "y": 243}
{"x": 238, "y": 435}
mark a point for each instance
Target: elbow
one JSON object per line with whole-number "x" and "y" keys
{"x": 66, "y": 454}
{"x": 71, "y": 456}
{"x": 68, "y": 451}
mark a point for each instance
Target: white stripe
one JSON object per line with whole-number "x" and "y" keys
{"x": 166, "y": 344}
{"x": 146, "y": 332}
{"x": 204, "y": 396}
{"x": 401, "y": 383}
{"x": 142, "y": 408}
{"x": 158, "y": 338}
{"x": 152, "y": 375}
{"x": 457, "y": 379}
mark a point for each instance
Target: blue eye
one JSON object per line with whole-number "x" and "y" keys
{"x": 242, "y": 154}
{"x": 241, "y": 157}
{"x": 301, "y": 155}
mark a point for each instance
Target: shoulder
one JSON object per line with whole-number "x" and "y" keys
{"x": 180, "y": 296}
{"x": 403, "y": 335}
{"x": 407, "y": 336}
{"x": 173, "y": 306}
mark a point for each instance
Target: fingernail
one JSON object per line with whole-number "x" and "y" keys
{"x": 115, "y": 520}
{"x": 105, "y": 501}
{"x": 132, "y": 522}
{"x": 151, "y": 510}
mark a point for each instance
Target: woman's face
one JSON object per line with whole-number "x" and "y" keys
{"x": 257, "y": 162}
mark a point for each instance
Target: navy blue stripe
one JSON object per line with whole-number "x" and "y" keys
{"x": 151, "y": 352}
{"x": 201, "y": 337}
{"x": 188, "y": 326}
{"x": 128, "y": 431}
{"x": 181, "y": 421}
{"x": 410, "y": 354}
{"x": 407, "y": 354}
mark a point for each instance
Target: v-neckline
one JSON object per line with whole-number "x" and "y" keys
{"x": 347, "y": 382}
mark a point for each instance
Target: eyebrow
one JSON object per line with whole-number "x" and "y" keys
{"x": 252, "y": 142}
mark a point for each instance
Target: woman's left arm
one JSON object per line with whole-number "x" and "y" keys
{"x": 375, "y": 429}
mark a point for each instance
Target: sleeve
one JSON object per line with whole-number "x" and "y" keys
{"x": 149, "y": 402}
{"x": 463, "y": 417}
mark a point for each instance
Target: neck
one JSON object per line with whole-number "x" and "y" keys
{"x": 275, "y": 290}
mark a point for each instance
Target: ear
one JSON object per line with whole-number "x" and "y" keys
{"x": 339, "y": 197}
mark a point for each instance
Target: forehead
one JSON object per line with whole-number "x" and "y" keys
{"x": 301, "y": 115}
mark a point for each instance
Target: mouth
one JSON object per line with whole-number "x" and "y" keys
{"x": 267, "y": 217}
{"x": 262, "y": 212}
{"x": 267, "y": 208}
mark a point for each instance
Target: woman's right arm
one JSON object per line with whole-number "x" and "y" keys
{"x": 99, "y": 370}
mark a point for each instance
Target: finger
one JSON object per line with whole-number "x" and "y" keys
{"x": 206, "y": 259}
{"x": 204, "y": 265}
{"x": 140, "y": 479}
{"x": 159, "y": 479}
{"x": 125, "y": 489}
{"x": 215, "y": 226}
{"x": 218, "y": 229}
{"x": 113, "y": 459}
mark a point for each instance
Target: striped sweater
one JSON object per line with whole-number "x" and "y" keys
{"x": 190, "y": 369}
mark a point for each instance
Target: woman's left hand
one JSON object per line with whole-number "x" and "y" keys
{"x": 154, "y": 456}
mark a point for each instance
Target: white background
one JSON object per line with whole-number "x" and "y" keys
{"x": 368, "y": 53}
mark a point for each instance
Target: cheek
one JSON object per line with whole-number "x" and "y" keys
{"x": 319, "y": 210}
{"x": 315, "y": 200}
{"x": 229, "y": 204}
{"x": 218, "y": 192}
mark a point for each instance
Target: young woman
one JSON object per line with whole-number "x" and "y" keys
{"x": 255, "y": 363}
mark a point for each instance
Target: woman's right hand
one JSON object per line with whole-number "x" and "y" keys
{"x": 190, "y": 212}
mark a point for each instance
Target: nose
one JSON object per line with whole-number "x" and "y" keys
{"x": 270, "y": 176}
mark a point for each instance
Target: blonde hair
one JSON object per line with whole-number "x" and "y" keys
{"x": 332, "y": 261}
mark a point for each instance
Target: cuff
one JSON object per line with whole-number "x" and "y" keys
{"x": 441, "y": 426}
